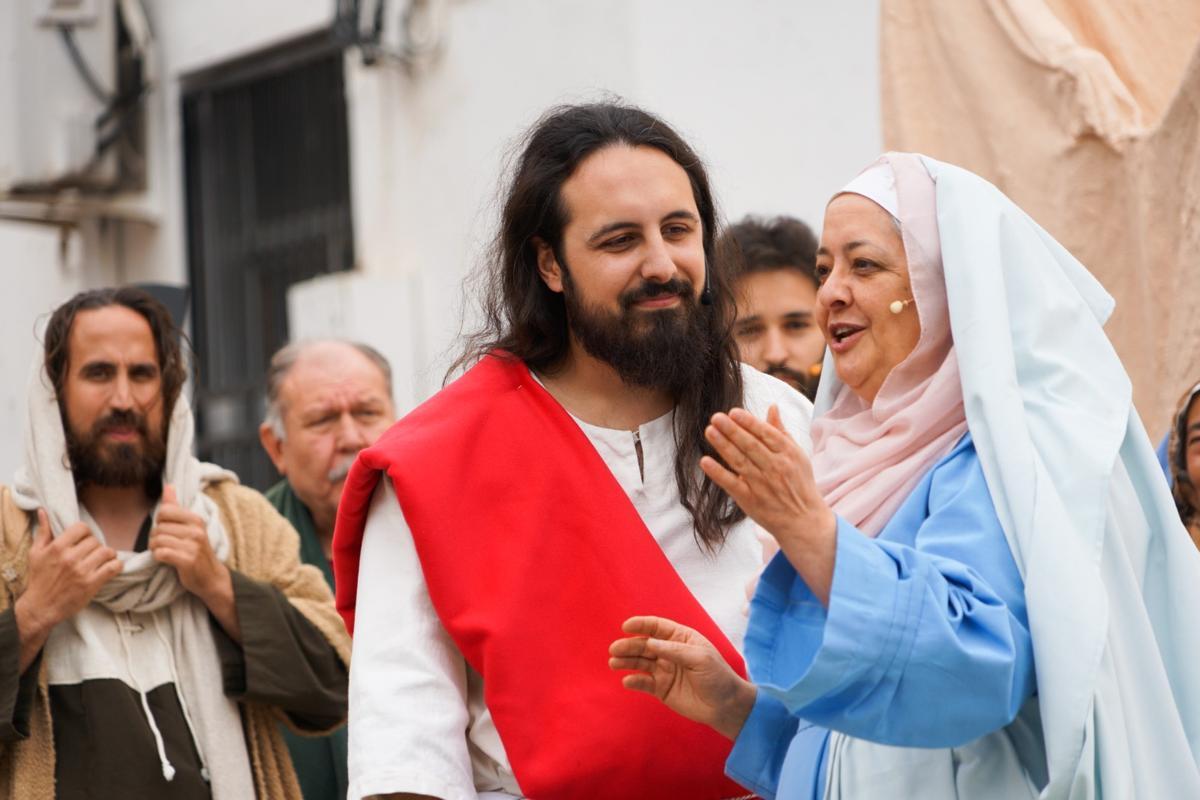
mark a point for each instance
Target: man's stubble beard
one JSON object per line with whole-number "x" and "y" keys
{"x": 97, "y": 463}
{"x": 667, "y": 349}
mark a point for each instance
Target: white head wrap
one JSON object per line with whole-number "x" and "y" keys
{"x": 145, "y": 586}
{"x": 877, "y": 182}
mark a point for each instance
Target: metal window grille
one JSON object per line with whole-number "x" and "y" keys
{"x": 268, "y": 204}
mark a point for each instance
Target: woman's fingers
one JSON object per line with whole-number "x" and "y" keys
{"x": 680, "y": 653}
{"x": 778, "y": 462}
{"x": 657, "y": 637}
{"x": 642, "y": 626}
{"x": 730, "y": 482}
{"x": 657, "y": 627}
{"x": 687, "y": 655}
{"x": 639, "y": 682}
{"x": 769, "y": 435}
{"x": 635, "y": 664}
{"x": 632, "y": 647}
{"x": 728, "y": 450}
{"x": 721, "y": 476}
{"x": 751, "y": 448}
{"x": 749, "y": 444}
{"x": 775, "y": 418}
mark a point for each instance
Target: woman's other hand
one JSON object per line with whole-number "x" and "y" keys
{"x": 770, "y": 478}
{"x": 683, "y": 670}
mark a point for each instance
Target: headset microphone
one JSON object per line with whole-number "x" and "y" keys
{"x": 706, "y": 293}
{"x": 898, "y": 305}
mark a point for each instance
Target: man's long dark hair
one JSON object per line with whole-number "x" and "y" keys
{"x": 523, "y": 317}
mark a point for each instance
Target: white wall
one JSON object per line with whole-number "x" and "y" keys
{"x": 780, "y": 97}
{"x": 38, "y": 270}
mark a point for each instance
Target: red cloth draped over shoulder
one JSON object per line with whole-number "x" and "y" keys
{"x": 534, "y": 556}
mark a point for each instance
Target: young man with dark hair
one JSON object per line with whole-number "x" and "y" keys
{"x": 776, "y": 293}
{"x": 155, "y": 621}
{"x": 529, "y": 507}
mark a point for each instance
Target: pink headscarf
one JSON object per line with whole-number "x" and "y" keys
{"x": 868, "y": 458}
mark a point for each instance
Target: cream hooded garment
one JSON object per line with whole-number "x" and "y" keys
{"x": 1112, "y": 580}
{"x": 178, "y": 619}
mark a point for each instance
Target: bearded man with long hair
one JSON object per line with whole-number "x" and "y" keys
{"x": 529, "y": 502}
{"x": 155, "y": 620}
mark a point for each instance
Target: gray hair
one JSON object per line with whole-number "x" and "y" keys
{"x": 286, "y": 357}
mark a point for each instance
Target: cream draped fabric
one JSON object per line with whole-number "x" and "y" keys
{"x": 1087, "y": 114}
{"x": 145, "y": 586}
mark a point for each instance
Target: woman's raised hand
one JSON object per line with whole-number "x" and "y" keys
{"x": 770, "y": 477}
{"x": 683, "y": 670}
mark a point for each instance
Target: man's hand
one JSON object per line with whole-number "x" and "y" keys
{"x": 685, "y": 671}
{"x": 180, "y": 538}
{"x": 64, "y": 575}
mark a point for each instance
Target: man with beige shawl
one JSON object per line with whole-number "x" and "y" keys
{"x": 155, "y": 620}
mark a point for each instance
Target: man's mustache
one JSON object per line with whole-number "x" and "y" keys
{"x": 121, "y": 418}
{"x": 341, "y": 468}
{"x": 649, "y": 290}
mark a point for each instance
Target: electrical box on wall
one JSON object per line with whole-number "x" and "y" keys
{"x": 72, "y": 90}
{"x": 67, "y": 12}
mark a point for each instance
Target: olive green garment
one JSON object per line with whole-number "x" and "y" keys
{"x": 320, "y": 761}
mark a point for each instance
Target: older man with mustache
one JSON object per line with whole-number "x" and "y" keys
{"x": 326, "y": 400}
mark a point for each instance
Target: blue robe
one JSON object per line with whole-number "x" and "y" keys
{"x": 925, "y": 642}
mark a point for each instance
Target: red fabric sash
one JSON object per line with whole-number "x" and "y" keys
{"x": 534, "y": 556}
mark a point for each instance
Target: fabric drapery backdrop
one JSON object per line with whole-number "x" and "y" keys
{"x": 1087, "y": 114}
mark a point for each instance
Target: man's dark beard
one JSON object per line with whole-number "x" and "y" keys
{"x": 667, "y": 349}
{"x": 99, "y": 463}
{"x": 803, "y": 382}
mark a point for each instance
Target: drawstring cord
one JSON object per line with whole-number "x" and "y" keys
{"x": 187, "y": 714}
{"x": 168, "y": 770}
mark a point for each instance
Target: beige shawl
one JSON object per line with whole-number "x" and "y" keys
{"x": 145, "y": 586}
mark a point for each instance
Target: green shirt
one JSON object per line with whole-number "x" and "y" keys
{"x": 320, "y": 761}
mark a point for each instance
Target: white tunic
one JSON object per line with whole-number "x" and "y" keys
{"x": 418, "y": 722}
